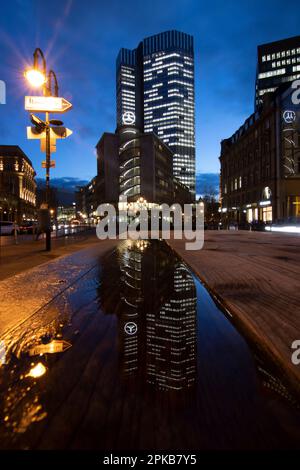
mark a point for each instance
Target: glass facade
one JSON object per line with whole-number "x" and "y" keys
{"x": 277, "y": 63}
{"x": 164, "y": 95}
{"x": 125, "y": 80}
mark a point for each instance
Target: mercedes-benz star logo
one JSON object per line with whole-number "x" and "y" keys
{"x": 289, "y": 116}
{"x": 130, "y": 328}
{"x": 128, "y": 118}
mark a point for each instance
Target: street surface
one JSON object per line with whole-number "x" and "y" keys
{"x": 125, "y": 349}
{"x": 256, "y": 275}
{"x": 29, "y": 252}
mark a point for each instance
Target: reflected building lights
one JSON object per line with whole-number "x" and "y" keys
{"x": 158, "y": 295}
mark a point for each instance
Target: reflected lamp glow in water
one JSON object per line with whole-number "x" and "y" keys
{"x": 37, "y": 371}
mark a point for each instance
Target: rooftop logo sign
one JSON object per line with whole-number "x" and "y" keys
{"x": 289, "y": 116}
{"x": 2, "y": 92}
{"x": 128, "y": 118}
{"x": 130, "y": 328}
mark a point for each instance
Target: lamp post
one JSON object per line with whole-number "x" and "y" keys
{"x": 38, "y": 77}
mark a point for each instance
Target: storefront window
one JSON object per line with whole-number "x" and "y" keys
{"x": 267, "y": 214}
{"x": 249, "y": 216}
{"x": 295, "y": 206}
{"x": 252, "y": 215}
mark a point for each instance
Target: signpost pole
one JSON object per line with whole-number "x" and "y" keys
{"x": 48, "y": 160}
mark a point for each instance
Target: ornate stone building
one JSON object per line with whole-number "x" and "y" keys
{"x": 17, "y": 184}
{"x": 260, "y": 164}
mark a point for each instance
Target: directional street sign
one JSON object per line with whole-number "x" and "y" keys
{"x": 60, "y": 132}
{"x": 52, "y": 145}
{"x": 55, "y": 133}
{"x": 50, "y": 104}
{"x": 56, "y": 346}
{"x": 33, "y": 133}
{"x": 52, "y": 164}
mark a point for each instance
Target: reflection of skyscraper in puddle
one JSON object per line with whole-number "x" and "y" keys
{"x": 157, "y": 317}
{"x": 131, "y": 298}
{"x": 171, "y": 335}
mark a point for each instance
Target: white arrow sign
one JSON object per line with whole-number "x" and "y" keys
{"x": 32, "y": 133}
{"x": 55, "y": 133}
{"x": 50, "y": 104}
{"x": 56, "y": 346}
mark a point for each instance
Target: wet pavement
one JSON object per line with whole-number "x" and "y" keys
{"x": 136, "y": 355}
{"x": 8, "y": 240}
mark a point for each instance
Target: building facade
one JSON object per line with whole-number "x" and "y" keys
{"x": 86, "y": 201}
{"x": 145, "y": 167}
{"x": 155, "y": 89}
{"x": 136, "y": 165}
{"x": 260, "y": 165}
{"x": 17, "y": 185}
{"x": 125, "y": 81}
{"x": 277, "y": 63}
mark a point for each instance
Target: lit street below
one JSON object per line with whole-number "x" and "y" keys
{"x": 98, "y": 368}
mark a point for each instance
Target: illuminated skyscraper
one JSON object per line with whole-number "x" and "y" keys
{"x": 163, "y": 91}
{"x": 125, "y": 83}
{"x": 277, "y": 62}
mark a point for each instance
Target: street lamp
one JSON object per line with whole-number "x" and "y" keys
{"x": 37, "y": 77}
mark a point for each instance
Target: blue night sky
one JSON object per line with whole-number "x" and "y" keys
{"x": 81, "y": 40}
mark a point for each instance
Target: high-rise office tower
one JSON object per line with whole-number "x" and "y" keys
{"x": 126, "y": 72}
{"x": 277, "y": 62}
{"x": 160, "y": 98}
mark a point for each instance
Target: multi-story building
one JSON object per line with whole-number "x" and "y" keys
{"x": 125, "y": 79}
{"x": 86, "y": 201}
{"x": 17, "y": 185}
{"x": 136, "y": 165}
{"x": 155, "y": 90}
{"x": 260, "y": 164}
{"x": 277, "y": 62}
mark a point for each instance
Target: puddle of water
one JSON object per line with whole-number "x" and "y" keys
{"x": 137, "y": 355}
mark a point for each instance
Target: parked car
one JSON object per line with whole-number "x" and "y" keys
{"x": 8, "y": 228}
{"x": 28, "y": 226}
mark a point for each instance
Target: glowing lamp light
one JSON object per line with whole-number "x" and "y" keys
{"x": 37, "y": 371}
{"x": 35, "y": 77}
